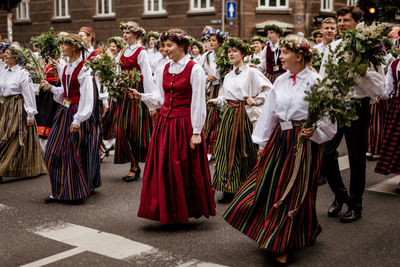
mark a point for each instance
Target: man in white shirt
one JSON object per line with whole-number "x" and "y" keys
{"x": 328, "y": 31}
{"x": 370, "y": 85}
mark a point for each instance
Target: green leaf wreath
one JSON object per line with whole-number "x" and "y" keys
{"x": 222, "y": 62}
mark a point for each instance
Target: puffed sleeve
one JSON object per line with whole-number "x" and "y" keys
{"x": 85, "y": 107}
{"x": 155, "y": 99}
{"x": 260, "y": 86}
{"x": 144, "y": 63}
{"x": 198, "y": 109}
{"x": 267, "y": 121}
{"x": 28, "y": 94}
{"x": 324, "y": 131}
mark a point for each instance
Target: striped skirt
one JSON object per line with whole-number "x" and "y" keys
{"x": 376, "y": 127}
{"x": 212, "y": 124}
{"x": 244, "y": 153}
{"x": 389, "y": 156}
{"x": 272, "y": 76}
{"x": 110, "y": 122}
{"x": 134, "y": 130}
{"x": 20, "y": 152}
{"x": 72, "y": 158}
{"x": 276, "y": 205}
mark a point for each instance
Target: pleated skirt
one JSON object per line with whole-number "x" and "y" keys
{"x": 133, "y": 131}
{"x": 110, "y": 122}
{"x": 376, "y": 127}
{"x": 241, "y": 165}
{"x": 389, "y": 156}
{"x": 260, "y": 210}
{"x": 20, "y": 152}
{"x": 72, "y": 158}
{"x": 212, "y": 124}
{"x": 176, "y": 179}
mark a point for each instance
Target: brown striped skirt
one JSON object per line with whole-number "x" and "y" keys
{"x": 20, "y": 151}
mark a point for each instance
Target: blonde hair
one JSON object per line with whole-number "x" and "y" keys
{"x": 300, "y": 45}
{"x": 329, "y": 20}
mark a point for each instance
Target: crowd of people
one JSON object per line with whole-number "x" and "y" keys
{"x": 184, "y": 112}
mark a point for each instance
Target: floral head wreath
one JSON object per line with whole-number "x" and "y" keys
{"x": 258, "y": 39}
{"x": 15, "y": 51}
{"x": 275, "y": 28}
{"x": 297, "y": 47}
{"x": 315, "y": 33}
{"x": 132, "y": 27}
{"x": 156, "y": 35}
{"x": 72, "y": 39}
{"x": 203, "y": 38}
{"x": 215, "y": 32}
{"x": 119, "y": 42}
{"x": 246, "y": 49}
{"x": 199, "y": 45}
{"x": 176, "y": 37}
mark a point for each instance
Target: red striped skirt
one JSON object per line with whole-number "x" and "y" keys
{"x": 258, "y": 209}
{"x": 376, "y": 126}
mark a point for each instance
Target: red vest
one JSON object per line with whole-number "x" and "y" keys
{"x": 270, "y": 60}
{"x": 178, "y": 92}
{"x": 130, "y": 63}
{"x": 51, "y": 74}
{"x": 74, "y": 86}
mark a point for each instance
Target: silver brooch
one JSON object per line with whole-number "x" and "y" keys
{"x": 237, "y": 71}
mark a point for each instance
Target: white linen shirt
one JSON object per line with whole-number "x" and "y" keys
{"x": 212, "y": 68}
{"x": 154, "y": 57}
{"x": 85, "y": 107}
{"x": 285, "y": 102}
{"x": 321, "y": 47}
{"x": 236, "y": 87}
{"x": 198, "y": 109}
{"x": 263, "y": 57}
{"x": 17, "y": 81}
{"x": 372, "y": 84}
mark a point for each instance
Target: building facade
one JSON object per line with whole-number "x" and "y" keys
{"x": 33, "y": 17}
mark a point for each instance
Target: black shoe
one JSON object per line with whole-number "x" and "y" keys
{"x": 226, "y": 198}
{"x": 350, "y": 216}
{"x": 1, "y": 179}
{"x": 49, "y": 199}
{"x": 133, "y": 177}
{"x": 335, "y": 208}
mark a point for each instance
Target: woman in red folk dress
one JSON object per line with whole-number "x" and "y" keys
{"x": 176, "y": 179}
{"x": 134, "y": 122}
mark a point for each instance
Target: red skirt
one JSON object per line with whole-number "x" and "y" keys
{"x": 176, "y": 179}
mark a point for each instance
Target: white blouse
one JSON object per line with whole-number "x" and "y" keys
{"x": 17, "y": 81}
{"x": 285, "y": 102}
{"x": 389, "y": 80}
{"x": 85, "y": 107}
{"x": 236, "y": 87}
{"x": 144, "y": 63}
{"x": 263, "y": 57}
{"x": 154, "y": 57}
{"x": 198, "y": 110}
{"x": 211, "y": 68}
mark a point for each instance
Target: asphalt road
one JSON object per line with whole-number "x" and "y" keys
{"x": 100, "y": 230}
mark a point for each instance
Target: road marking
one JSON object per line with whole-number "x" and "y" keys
{"x": 54, "y": 258}
{"x": 113, "y": 246}
{"x": 110, "y": 245}
{"x": 387, "y": 186}
{"x": 344, "y": 163}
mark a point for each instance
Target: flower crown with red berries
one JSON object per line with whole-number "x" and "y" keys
{"x": 297, "y": 47}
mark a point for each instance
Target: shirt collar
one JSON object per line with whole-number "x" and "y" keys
{"x": 182, "y": 62}
{"x": 134, "y": 46}
{"x": 14, "y": 68}
{"x": 301, "y": 75}
{"x": 75, "y": 63}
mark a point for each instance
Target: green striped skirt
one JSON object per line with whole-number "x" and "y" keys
{"x": 20, "y": 151}
{"x": 242, "y": 165}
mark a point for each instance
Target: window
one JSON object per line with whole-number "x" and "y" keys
{"x": 105, "y": 8}
{"x": 326, "y": 5}
{"x": 61, "y": 9}
{"x": 352, "y": 2}
{"x": 273, "y": 4}
{"x": 202, "y": 5}
{"x": 23, "y": 10}
{"x": 154, "y": 6}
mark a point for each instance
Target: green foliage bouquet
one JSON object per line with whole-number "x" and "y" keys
{"x": 104, "y": 68}
{"x": 333, "y": 96}
{"x": 317, "y": 59}
{"x": 48, "y": 43}
{"x": 122, "y": 82}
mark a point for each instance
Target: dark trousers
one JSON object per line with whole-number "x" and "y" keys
{"x": 356, "y": 141}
